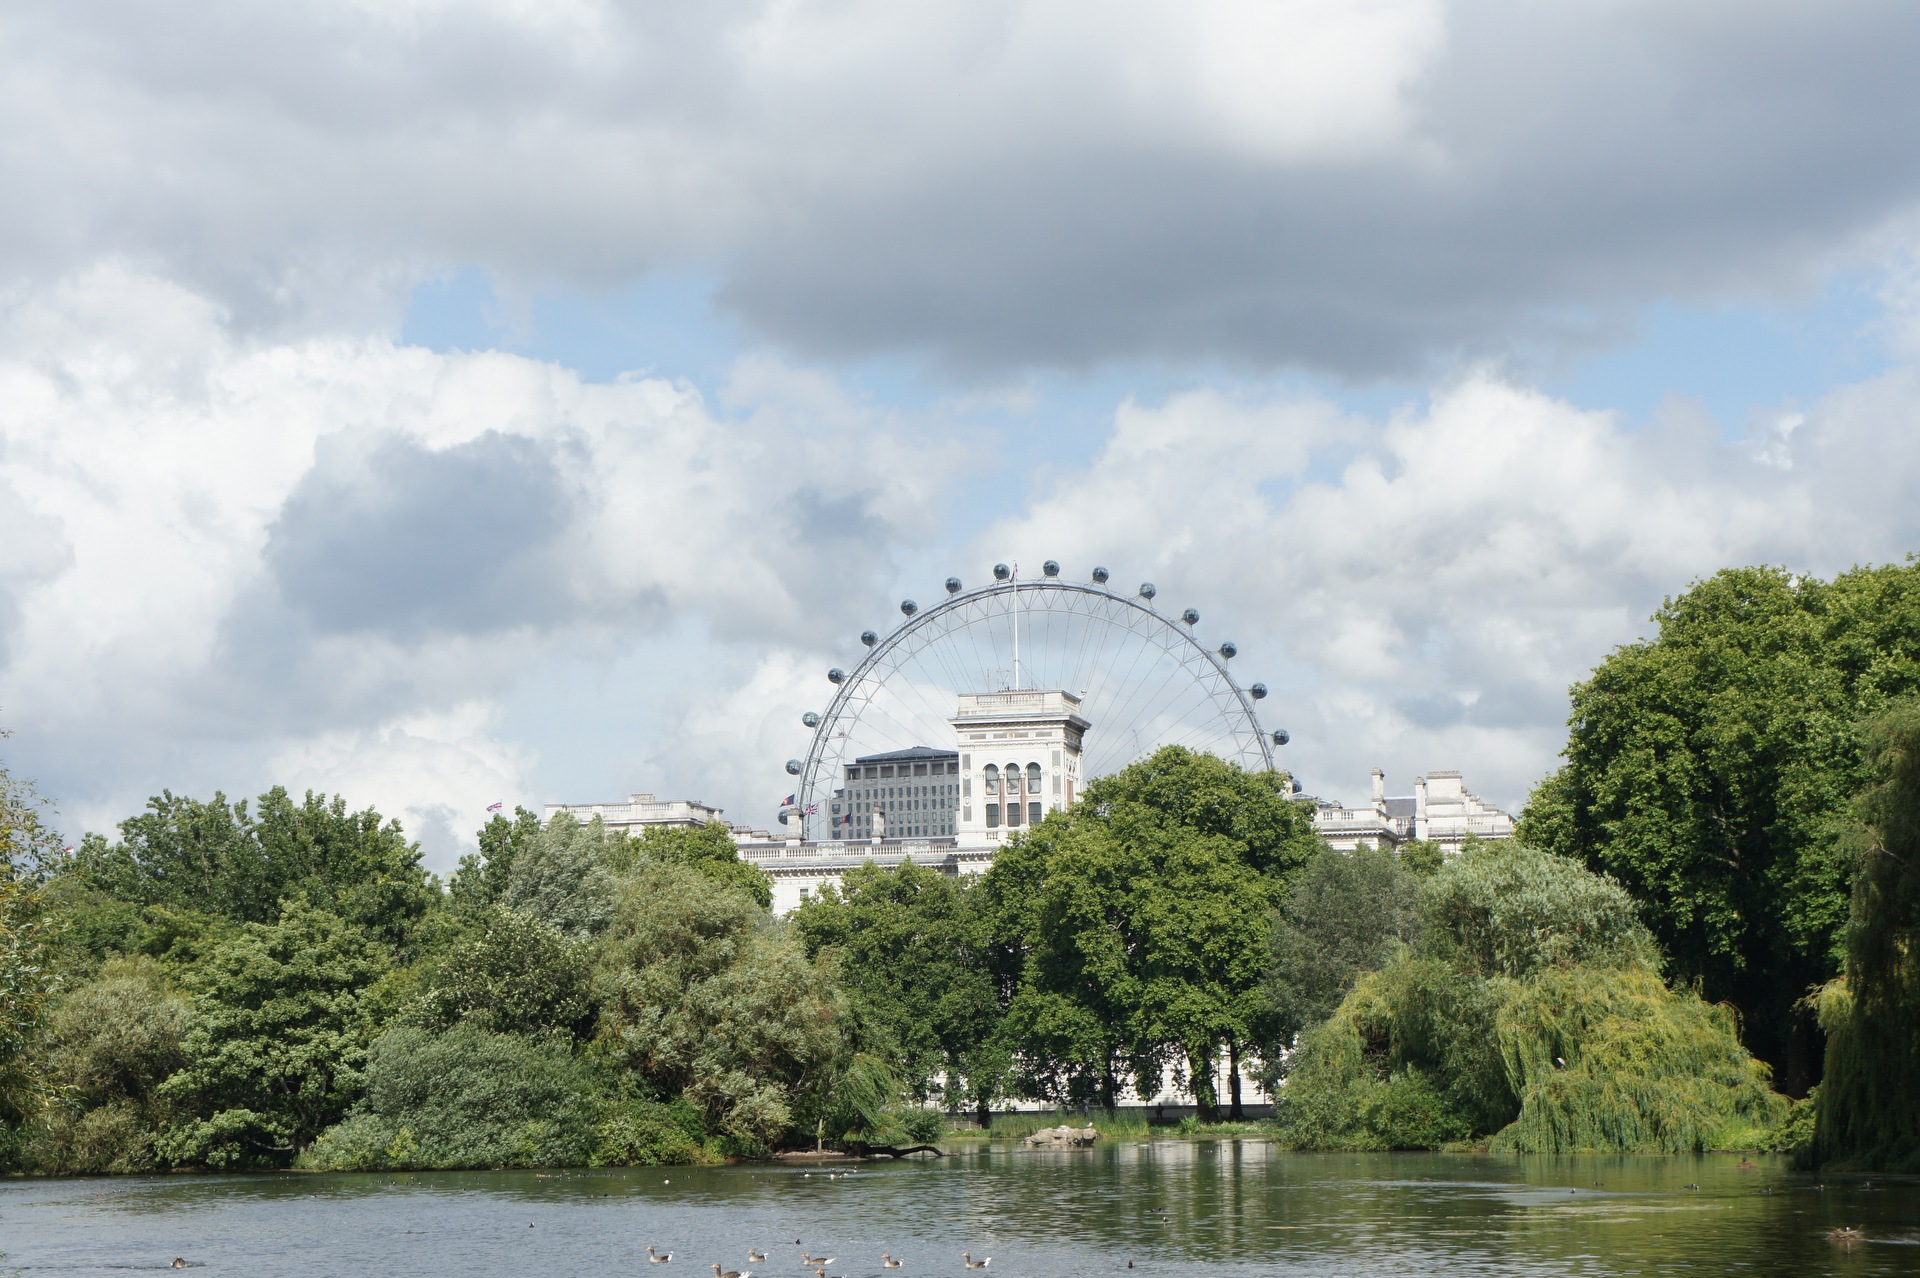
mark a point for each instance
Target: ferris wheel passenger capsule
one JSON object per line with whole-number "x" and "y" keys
{"x": 835, "y": 675}
{"x": 908, "y": 607}
{"x": 1229, "y": 649}
{"x": 793, "y": 767}
{"x": 1001, "y": 572}
{"x": 1100, "y": 576}
{"x": 1147, "y": 591}
{"x": 869, "y": 638}
{"x": 1191, "y": 617}
{"x": 1051, "y": 568}
{"x": 1258, "y": 691}
{"x": 1281, "y": 736}
{"x": 811, "y": 719}
{"x": 953, "y": 585}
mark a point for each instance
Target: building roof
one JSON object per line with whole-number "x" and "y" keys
{"x": 915, "y": 754}
{"x": 1401, "y": 807}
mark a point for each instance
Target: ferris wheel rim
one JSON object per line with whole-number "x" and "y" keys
{"x": 917, "y": 618}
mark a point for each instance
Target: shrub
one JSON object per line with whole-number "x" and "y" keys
{"x": 1500, "y": 909}
{"x": 646, "y": 1133}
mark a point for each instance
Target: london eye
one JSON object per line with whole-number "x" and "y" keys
{"x": 1140, "y": 677}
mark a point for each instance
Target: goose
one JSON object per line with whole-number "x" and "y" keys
{"x": 755, "y": 1256}
{"x": 179, "y": 1262}
{"x": 1845, "y": 1235}
{"x": 887, "y": 1261}
{"x": 981, "y": 1263}
{"x": 656, "y": 1258}
{"x": 732, "y": 1273}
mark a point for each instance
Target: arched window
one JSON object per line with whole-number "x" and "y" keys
{"x": 993, "y": 779}
{"x": 1033, "y": 778}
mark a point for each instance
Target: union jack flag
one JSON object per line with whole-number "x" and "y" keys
{"x": 493, "y": 807}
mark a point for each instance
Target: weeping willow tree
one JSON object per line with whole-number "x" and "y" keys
{"x": 1869, "y": 1101}
{"x": 1534, "y": 1014}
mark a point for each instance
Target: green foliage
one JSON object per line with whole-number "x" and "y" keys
{"x": 26, "y": 984}
{"x": 568, "y": 876}
{"x": 217, "y": 858}
{"x": 915, "y": 957}
{"x": 1710, "y": 770}
{"x": 1611, "y": 1059}
{"x": 711, "y": 850}
{"x": 282, "y": 1021}
{"x": 642, "y": 1133}
{"x": 1345, "y": 914}
{"x": 107, "y": 1048}
{"x": 509, "y": 973}
{"x": 1422, "y": 857}
{"x": 1501, "y": 909}
{"x": 1534, "y": 1016}
{"x": 1869, "y": 1105}
{"x": 482, "y": 877}
{"x": 702, "y": 995}
{"x": 466, "y": 1098}
{"x": 1140, "y": 924}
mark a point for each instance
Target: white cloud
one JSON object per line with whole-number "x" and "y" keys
{"x": 1427, "y": 603}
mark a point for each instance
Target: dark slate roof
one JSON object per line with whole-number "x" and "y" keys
{"x": 915, "y": 754}
{"x": 1400, "y": 807}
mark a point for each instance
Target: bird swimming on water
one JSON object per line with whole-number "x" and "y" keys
{"x": 887, "y": 1261}
{"x": 179, "y": 1262}
{"x": 971, "y": 1263}
{"x": 732, "y": 1273}
{"x": 656, "y": 1258}
{"x": 1845, "y": 1235}
{"x": 756, "y": 1256}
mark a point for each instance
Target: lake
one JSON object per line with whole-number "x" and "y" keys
{"x": 1175, "y": 1209}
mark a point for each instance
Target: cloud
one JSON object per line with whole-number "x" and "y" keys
{"x": 1420, "y": 591}
{"x": 1370, "y": 188}
{"x": 344, "y": 556}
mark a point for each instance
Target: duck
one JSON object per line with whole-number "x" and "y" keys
{"x": 731, "y": 1273}
{"x": 756, "y": 1257}
{"x": 887, "y": 1261}
{"x": 657, "y": 1258}
{"x": 179, "y": 1262}
{"x": 1746, "y": 1164}
{"x": 1845, "y": 1235}
{"x": 981, "y": 1263}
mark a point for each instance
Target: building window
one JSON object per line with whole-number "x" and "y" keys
{"x": 993, "y": 816}
{"x": 1013, "y": 813}
{"x": 1033, "y": 778}
{"x": 1033, "y": 814}
{"x": 992, "y": 779}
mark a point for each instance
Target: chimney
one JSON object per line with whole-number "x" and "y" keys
{"x": 1379, "y": 792}
{"x": 1422, "y": 828}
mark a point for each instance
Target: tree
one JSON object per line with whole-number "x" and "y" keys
{"x": 711, "y": 850}
{"x": 217, "y": 858}
{"x": 482, "y": 877}
{"x": 509, "y": 973}
{"x": 1710, "y": 770}
{"x": 1345, "y": 914}
{"x": 913, "y": 953}
{"x": 566, "y": 877}
{"x": 283, "y": 1016}
{"x": 1141, "y": 922}
{"x": 1869, "y": 1104}
{"x": 702, "y": 994}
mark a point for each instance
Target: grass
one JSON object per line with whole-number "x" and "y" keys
{"x": 1125, "y": 1126}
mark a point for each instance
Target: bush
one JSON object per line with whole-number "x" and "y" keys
{"x": 1345, "y": 914}
{"x": 647, "y": 1134}
{"x": 1500, "y": 909}
{"x": 467, "y": 1098}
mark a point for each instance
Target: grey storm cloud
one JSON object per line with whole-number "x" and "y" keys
{"x": 402, "y": 539}
{"x": 1377, "y": 188}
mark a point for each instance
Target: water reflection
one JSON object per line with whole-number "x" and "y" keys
{"x": 1174, "y": 1209}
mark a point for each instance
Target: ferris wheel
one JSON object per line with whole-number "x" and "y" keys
{"x": 1143, "y": 679}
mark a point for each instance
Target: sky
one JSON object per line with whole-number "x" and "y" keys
{"x": 447, "y": 403}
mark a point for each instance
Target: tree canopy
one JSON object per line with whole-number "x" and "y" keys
{"x": 1711, "y": 768}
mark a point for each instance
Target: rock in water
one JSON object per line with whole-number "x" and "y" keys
{"x": 1063, "y": 1138}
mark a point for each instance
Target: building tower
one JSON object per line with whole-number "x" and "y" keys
{"x": 1019, "y": 760}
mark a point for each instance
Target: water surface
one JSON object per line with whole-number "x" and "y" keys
{"x": 1174, "y": 1209}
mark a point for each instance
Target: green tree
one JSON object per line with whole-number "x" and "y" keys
{"x": 1710, "y": 770}
{"x": 567, "y": 877}
{"x": 1869, "y": 1103}
{"x": 466, "y": 1098}
{"x": 107, "y": 1047}
{"x": 283, "y": 1016}
{"x": 703, "y": 995}
{"x": 482, "y": 877}
{"x": 711, "y": 850}
{"x": 914, "y": 955}
{"x": 1141, "y": 921}
{"x": 218, "y": 858}
{"x": 1346, "y": 913}
{"x": 26, "y": 984}
{"x": 508, "y": 973}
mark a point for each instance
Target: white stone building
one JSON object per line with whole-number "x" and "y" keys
{"x": 1440, "y": 809}
{"x": 639, "y": 812}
